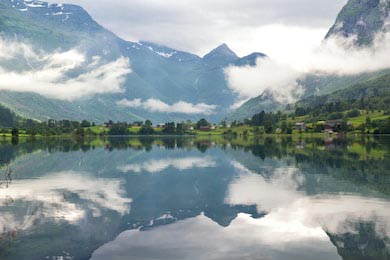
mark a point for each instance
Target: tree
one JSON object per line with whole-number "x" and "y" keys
{"x": 283, "y": 127}
{"x": 146, "y": 130}
{"x": 268, "y": 127}
{"x": 119, "y": 129}
{"x": 85, "y": 123}
{"x": 169, "y": 128}
{"x": 258, "y": 119}
{"x": 15, "y": 132}
{"x": 179, "y": 128}
{"x": 368, "y": 122}
{"x": 148, "y": 123}
{"x": 79, "y": 132}
{"x": 353, "y": 113}
{"x": 202, "y": 123}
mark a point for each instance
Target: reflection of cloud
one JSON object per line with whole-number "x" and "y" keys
{"x": 284, "y": 183}
{"x": 289, "y": 208}
{"x": 181, "y": 164}
{"x": 181, "y": 107}
{"x": 200, "y": 238}
{"x": 63, "y": 196}
{"x": 47, "y": 74}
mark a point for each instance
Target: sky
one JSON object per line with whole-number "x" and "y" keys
{"x": 276, "y": 27}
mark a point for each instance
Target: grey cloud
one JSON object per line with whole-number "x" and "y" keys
{"x": 197, "y": 25}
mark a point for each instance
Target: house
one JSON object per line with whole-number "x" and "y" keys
{"x": 204, "y": 128}
{"x": 301, "y": 126}
{"x": 162, "y": 126}
{"x": 137, "y": 123}
{"x": 332, "y": 126}
{"x": 108, "y": 124}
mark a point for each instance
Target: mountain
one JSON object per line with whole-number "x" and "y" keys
{"x": 373, "y": 94}
{"x": 249, "y": 60}
{"x": 220, "y": 56}
{"x": 362, "y": 19}
{"x": 265, "y": 102}
{"x": 314, "y": 86}
{"x": 158, "y": 72}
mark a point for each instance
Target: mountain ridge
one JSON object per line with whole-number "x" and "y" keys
{"x": 158, "y": 71}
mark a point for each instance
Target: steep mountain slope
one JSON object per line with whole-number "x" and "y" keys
{"x": 158, "y": 72}
{"x": 359, "y": 20}
{"x": 363, "y": 19}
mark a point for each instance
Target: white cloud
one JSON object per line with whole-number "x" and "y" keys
{"x": 200, "y": 25}
{"x": 181, "y": 107}
{"x": 268, "y": 75}
{"x": 154, "y": 166}
{"x": 47, "y": 74}
{"x": 280, "y": 76}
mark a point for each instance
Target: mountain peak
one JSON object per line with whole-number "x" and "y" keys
{"x": 220, "y": 56}
{"x": 222, "y": 51}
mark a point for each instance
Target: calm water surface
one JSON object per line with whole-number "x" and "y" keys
{"x": 188, "y": 198}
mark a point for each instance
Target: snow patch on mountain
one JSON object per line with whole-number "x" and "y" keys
{"x": 166, "y": 54}
{"x": 39, "y": 6}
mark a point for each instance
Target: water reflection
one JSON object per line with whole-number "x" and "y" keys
{"x": 201, "y": 238}
{"x": 238, "y": 199}
{"x": 154, "y": 166}
{"x": 65, "y": 196}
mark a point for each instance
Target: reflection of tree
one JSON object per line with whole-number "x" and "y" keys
{"x": 7, "y": 177}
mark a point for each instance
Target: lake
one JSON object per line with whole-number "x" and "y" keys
{"x": 195, "y": 198}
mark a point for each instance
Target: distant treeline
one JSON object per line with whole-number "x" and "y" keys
{"x": 53, "y": 127}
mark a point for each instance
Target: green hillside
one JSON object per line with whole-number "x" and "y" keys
{"x": 371, "y": 94}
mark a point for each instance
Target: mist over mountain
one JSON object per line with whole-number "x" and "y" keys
{"x": 354, "y": 50}
{"x": 96, "y": 75}
{"x": 158, "y": 73}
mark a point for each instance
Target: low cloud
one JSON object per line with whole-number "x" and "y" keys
{"x": 181, "y": 107}
{"x": 68, "y": 75}
{"x": 336, "y": 56}
{"x": 268, "y": 75}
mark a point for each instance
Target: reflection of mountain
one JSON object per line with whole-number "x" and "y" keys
{"x": 200, "y": 238}
{"x": 89, "y": 208}
{"x": 316, "y": 193}
{"x": 366, "y": 241}
{"x": 294, "y": 189}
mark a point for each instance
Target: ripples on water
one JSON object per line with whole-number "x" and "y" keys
{"x": 188, "y": 198}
